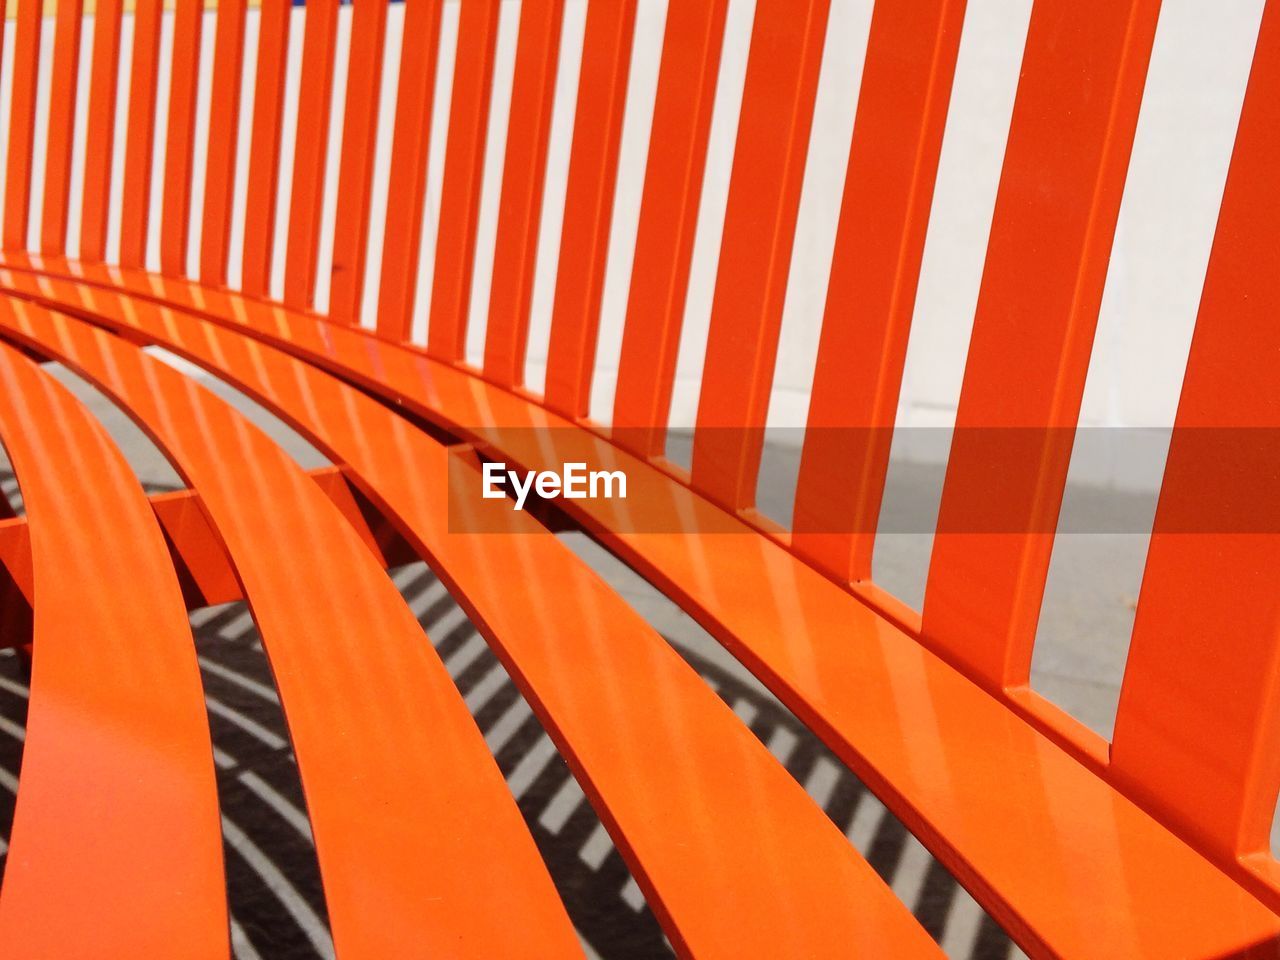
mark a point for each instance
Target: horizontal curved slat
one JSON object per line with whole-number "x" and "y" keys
{"x": 1064, "y": 861}
{"x": 396, "y": 774}
{"x": 735, "y": 858}
{"x": 116, "y": 847}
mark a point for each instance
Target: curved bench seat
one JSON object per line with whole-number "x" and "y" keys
{"x": 389, "y": 757}
{"x": 115, "y": 702}
{"x": 1153, "y": 844}
{"x": 736, "y": 859}
{"x": 924, "y": 738}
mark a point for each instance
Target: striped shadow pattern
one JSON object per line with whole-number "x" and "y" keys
{"x": 273, "y": 883}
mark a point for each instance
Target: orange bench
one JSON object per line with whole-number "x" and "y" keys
{"x": 1152, "y": 845}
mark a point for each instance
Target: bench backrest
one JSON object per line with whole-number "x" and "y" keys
{"x": 1197, "y": 736}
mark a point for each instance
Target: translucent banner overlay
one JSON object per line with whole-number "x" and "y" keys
{"x": 1205, "y": 480}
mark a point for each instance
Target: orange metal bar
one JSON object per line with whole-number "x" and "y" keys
{"x": 463, "y": 178}
{"x": 62, "y": 115}
{"x": 4, "y": 12}
{"x": 310, "y": 152}
{"x": 133, "y": 865}
{"x": 1197, "y": 736}
{"x": 668, "y": 221}
{"x": 139, "y": 139}
{"x": 15, "y": 555}
{"x": 755, "y": 254}
{"x": 897, "y": 139}
{"x": 524, "y": 174}
{"x": 264, "y": 147}
{"x": 1073, "y": 125}
{"x": 204, "y": 569}
{"x": 224, "y": 130}
{"x": 588, "y": 204}
{"x": 783, "y": 880}
{"x": 22, "y": 124}
{"x": 100, "y": 132}
{"x": 396, "y": 773}
{"x": 355, "y": 174}
{"x": 175, "y": 223}
{"x": 402, "y": 237}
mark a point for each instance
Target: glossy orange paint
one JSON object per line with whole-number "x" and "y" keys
{"x": 310, "y": 152}
{"x": 875, "y": 265}
{"x": 355, "y": 169}
{"x": 224, "y": 133}
{"x": 100, "y": 130}
{"x": 180, "y": 137}
{"x": 376, "y": 726}
{"x": 15, "y": 554}
{"x": 668, "y": 222}
{"x": 407, "y": 191}
{"x": 263, "y": 176}
{"x": 204, "y": 571}
{"x": 140, "y": 133}
{"x": 22, "y": 124}
{"x": 523, "y": 178}
{"x": 755, "y": 253}
{"x": 1059, "y": 195}
{"x": 62, "y": 115}
{"x": 133, "y": 866}
{"x": 1068, "y": 864}
{"x": 1153, "y": 847}
{"x": 463, "y": 178}
{"x": 774, "y": 879}
{"x": 588, "y": 204}
{"x": 1197, "y": 735}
